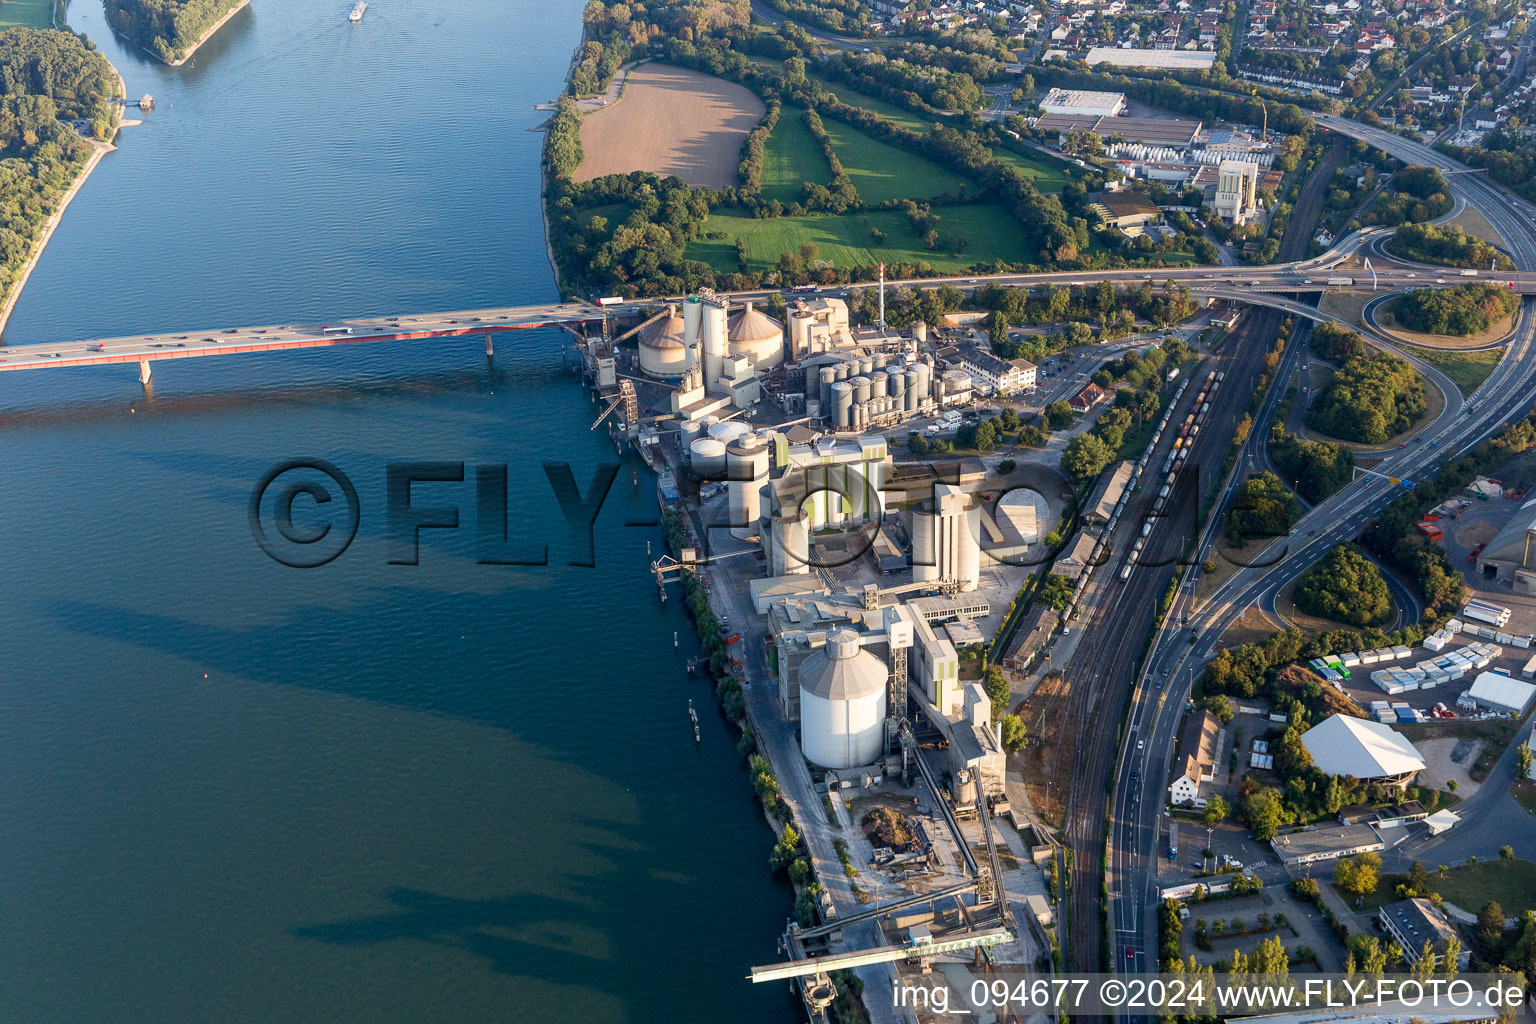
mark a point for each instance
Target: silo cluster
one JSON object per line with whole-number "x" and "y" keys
{"x": 876, "y": 387}
{"x": 946, "y": 538}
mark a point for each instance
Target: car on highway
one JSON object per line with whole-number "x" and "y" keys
{"x": 1307, "y": 281}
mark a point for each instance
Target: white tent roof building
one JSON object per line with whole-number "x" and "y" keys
{"x": 1362, "y": 749}
{"x": 1499, "y": 692}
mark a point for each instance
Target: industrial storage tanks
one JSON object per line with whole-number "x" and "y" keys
{"x": 712, "y": 338}
{"x": 843, "y": 370}
{"x": 946, "y": 538}
{"x": 924, "y": 382}
{"x": 896, "y": 387}
{"x": 828, "y": 375}
{"x": 746, "y": 466}
{"x": 914, "y": 388}
{"x": 920, "y": 331}
{"x": 690, "y": 431}
{"x": 877, "y": 385}
{"x": 842, "y": 403}
{"x": 842, "y": 704}
{"x": 801, "y": 322}
{"x": 867, "y": 365}
{"x": 789, "y": 543}
{"x": 957, "y": 385}
{"x": 860, "y": 390}
{"x": 663, "y": 349}
{"x": 708, "y": 457}
{"x": 727, "y": 431}
{"x": 756, "y": 335}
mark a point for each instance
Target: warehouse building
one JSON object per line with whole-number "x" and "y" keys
{"x": 1154, "y": 131}
{"x": 1320, "y": 844}
{"x": 1494, "y": 691}
{"x": 1085, "y": 102}
{"x": 1511, "y": 555}
{"x": 1362, "y": 749}
{"x": 1128, "y": 211}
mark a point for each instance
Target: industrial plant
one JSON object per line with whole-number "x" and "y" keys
{"x": 860, "y": 593}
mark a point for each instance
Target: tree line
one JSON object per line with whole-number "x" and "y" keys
{"x": 1371, "y": 398}
{"x": 1462, "y": 310}
{"x": 169, "y": 29}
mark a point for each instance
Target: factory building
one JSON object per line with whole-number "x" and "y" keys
{"x": 1083, "y": 102}
{"x": 1237, "y": 191}
{"x": 817, "y": 325}
{"x": 946, "y": 538}
{"x": 837, "y": 482}
{"x": 757, "y": 336}
{"x": 721, "y": 354}
{"x": 1153, "y": 131}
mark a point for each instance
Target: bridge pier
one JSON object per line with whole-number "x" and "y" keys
{"x": 490, "y": 348}
{"x": 143, "y": 371}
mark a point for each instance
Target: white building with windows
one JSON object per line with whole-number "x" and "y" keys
{"x": 1082, "y": 101}
{"x": 1237, "y": 191}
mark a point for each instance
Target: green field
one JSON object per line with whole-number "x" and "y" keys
{"x": 1050, "y": 175}
{"x": 614, "y": 213}
{"x": 846, "y": 240}
{"x": 905, "y": 118}
{"x": 1467, "y": 368}
{"x": 880, "y": 171}
{"x": 1512, "y": 883}
{"x": 792, "y": 156}
{"x": 26, "y": 14}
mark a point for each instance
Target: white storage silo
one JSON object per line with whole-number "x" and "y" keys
{"x": 914, "y": 388}
{"x": 746, "y": 466}
{"x": 789, "y": 547}
{"x": 754, "y": 334}
{"x": 877, "y": 384}
{"x": 957, "y": 386}
{"x": 924, "y": 373}
{"x": 842, "y": 403}
{"x": 920, "y": 331}
{"x": 858, "y": 414}
{"x": 842, "y": 371}
{"x": 662, "y": 349}
{"x": 693, "y": 316}
{"x": 690, "y": 431}
{"x": 842, "y": 704}
{"x": 896, "y": 387}
{"x": 708, "y": 458}
{"x": 828, "y": 375}
{"x": 925, "y": 549}
{"x": 712, "y": 338}
{"x": 800, "y": 323}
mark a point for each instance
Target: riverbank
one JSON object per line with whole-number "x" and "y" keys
{"x": 98, "y": 150}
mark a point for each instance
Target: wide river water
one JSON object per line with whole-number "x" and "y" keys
{"x": 234, "y": 791}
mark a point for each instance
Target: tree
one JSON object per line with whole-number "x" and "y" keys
{"x": 1358, "y": 875}
{"x": 1523, "y": 762}
{"x": 1055, "y": 590}
{"x": 1345, "y": 586}
{"x": 995, "y": 684}
{"x": 787, "y": 850}
{"x": 1084, "y": 457}
{"x": 1264, "y": 812}
{"x": 1215, "y": 810}
{"x": 1418, "y": 879}
{"x": 1007, "y": 466}
{"x": 1506, "y": 853}
{"x": 1490, "y": 926}
{"x": 1058, "y": 415}
{"x": 1015, "y": 733}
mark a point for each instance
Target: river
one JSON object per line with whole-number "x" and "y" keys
{"x": 231, "y": 790}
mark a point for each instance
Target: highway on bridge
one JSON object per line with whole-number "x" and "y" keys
{"x": 1142, "y": 774}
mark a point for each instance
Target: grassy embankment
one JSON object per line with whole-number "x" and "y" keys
{"x": 1467, "y": 368}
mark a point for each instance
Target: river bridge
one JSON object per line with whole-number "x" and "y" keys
{"x": 1272, "y": 286}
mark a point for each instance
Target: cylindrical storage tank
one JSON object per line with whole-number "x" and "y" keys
{"x": 867, "y": 365}
{"x": 924, "y": 381}
{"x": 705, "y": 422}
{"x": 920, "y": 331}
{"x": 790, "y": 543}
{"x": 754, "y": 334}
{"x": 957, "y": 384}
{"x": 842, "y": 403}
{"x": 860, "y": 389}
{"x": 858, "y": 414}
{"x": 842, "y": 371}
{"x": 914, "y": 388}
{"x": 693, "y": 316}
{"x": 708, "y": 457}
{"x": 877, "y": 385}
{"x": 729, "y": 430}
{"x": 712, "y": 338}
{"x": 842, "y": 704}
{"x": 882, "y": 360}
{"x": 925, "y": 542}
{"x": 810, "y": 382}
{"x": 662, "y": 349}
{"x": 746, "y": 466}
{"x": 690, "y": 431}
{"x": 968, "y": 549}
{"x": 896, "y": 387}
{"x": 800, "y": 323}
{"x": 828, "y": 374}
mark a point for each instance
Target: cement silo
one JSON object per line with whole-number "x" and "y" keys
{"x": 754, "y": 334}
{"x": 789, "y": 543}
{"x": 920, "y": 332}
{"x": 663, "y": 350}
{"x": 842, "y": 704}
{"x": 946, "y": 538}
{"x": 842, "y": 403}
{"x": 712, "y": 338}
{"x": 914, "y": 388}
{"x": 801, "y": 321}
{"x": 896, "y": 387}
{"x": 693, "y": 316}
{"x": 828, "y": 374}
{"x": 860, "y": 390}
{"x": 690, "y": 432}
{"x": 924, "y": 385}
{"x": 746, "y": 466}
{"x": 877, "y": 386}
{"x": 842, "y": 371}
{"x": 867, "y": 365}
{"x": 708, "y": 457}
{"x": 957, "y": 386}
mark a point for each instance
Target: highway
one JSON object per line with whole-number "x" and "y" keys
{"x": 1135, "y": 829}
